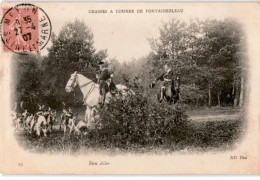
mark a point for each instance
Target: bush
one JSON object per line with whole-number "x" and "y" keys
{"x": 135, "y": 122}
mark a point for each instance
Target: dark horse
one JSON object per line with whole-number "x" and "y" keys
{"x": 170, "y": 95}
{"x": 171, "y": 92}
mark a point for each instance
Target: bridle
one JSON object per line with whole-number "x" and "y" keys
{"x": 90, "y": 90}
{"x": 73, "y": 81}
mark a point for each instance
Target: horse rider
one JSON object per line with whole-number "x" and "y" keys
{"x": 105, "y": 82}
{"x": 168, "y": 79}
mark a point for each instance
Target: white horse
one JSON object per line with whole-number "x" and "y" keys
{"x": 90, "y": 91}
{"x": 91, "y": 95}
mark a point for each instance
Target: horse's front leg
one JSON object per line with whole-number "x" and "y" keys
{"x": 89, "y": 114}
{"x": 64, "y": 128}
{"x": 90, "y": 117}
{"x": 86, "y": 114}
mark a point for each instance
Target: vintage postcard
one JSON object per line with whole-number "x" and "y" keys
{"x": 130, "y": 88}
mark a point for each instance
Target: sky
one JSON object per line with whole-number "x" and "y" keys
{"x": 124, "y": 35}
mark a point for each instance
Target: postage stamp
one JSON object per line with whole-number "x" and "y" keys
{"x": 25, "y": 28}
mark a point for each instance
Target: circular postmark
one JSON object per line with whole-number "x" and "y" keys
{"x": 25, "y": 28}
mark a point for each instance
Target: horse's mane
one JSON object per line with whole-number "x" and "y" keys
{"x": 84, "y": 76}
{"x": 87, "y": 79}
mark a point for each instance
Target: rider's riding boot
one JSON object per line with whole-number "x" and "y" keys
{"x": 103, "y": 98}
{"x": 113, "y": 89}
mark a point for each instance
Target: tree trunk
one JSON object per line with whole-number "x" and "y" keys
{"x": 233, "y": 90}
{"x": 241, "y": 98}
{"x": 209, "y": 103}
{"x": 197, "y": 102}
{"x": 219, "y": 93}
{"x": 236, "y": 96}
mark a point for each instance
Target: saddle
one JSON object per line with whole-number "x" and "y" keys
{"x": 108, "y": 85}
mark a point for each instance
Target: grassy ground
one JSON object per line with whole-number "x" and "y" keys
{"x": 204, "y": 131}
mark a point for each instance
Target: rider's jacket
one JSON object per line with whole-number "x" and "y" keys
{"x": 166, "y": 76}
{"x": 104, "y": 75}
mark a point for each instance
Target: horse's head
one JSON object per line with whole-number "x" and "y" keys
{"x": 72, "y": 82}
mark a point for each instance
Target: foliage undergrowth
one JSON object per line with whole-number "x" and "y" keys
{"x": 135, "y": 122}
{"x": 137, "y": 125}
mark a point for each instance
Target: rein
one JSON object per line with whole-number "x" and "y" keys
{"x": 90, "y": 90}
{"x": 85, "y": 84}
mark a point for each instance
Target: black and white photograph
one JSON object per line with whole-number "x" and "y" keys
{"x": 129, "y": 79}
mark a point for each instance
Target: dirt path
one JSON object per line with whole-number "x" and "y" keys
{"x": 196, "y": 115}
{"x": 220, "y": 117}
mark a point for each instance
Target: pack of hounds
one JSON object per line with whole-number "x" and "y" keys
{"x": 42, "y": 122}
